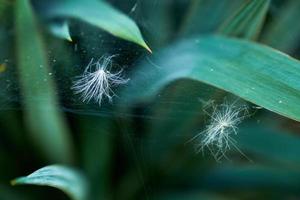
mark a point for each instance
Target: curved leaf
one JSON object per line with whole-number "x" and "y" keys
{"x": 100, "y": 14}
{"x": 64, "y": 178}
{"x": 254, "y": 72}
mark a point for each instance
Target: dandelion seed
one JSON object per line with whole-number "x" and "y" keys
{"x": 217, "y": 136}
{"x": 97, "y": 81}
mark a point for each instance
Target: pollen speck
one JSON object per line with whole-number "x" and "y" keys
{"x": 2, "y": 67}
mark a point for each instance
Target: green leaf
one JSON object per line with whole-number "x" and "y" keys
{"x": 216, "y": 11}
{"x": 67, "y": 179}
{"x": 97, "y": 153}
{"x": 251, "y": 71}
{"x": 44, "y": 120}
{"x": 100, "y": 14}
{"x": 247, "y": 21}
{"x": 283, "y": 33}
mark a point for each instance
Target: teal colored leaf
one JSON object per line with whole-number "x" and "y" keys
{"x": 61, "y": 30}
{"x": 43, "y": 119}
{"x": 251, "y": 71}
{"x": 247, "y": 21}
{"x": 100, "y": 14}
{"x": 69, "y": 180}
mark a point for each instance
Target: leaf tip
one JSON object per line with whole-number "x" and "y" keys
{"x": 69, "y": 39}
{"x": 14, "y": 182}
{"x": 146, "y": 47}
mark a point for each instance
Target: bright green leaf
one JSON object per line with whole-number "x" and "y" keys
{"x": 64, "y": 178}
{"x": 100, "y": 14}
{"x": 251, "y": 71}
{"x": 42, "y": 115}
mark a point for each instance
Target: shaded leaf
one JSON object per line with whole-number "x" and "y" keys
{"x": 216, "y": 11}
{"x": 97, "y": 153}
{"x": 247, "y": 21}
{"x": 283, "y": 33}
{"x": 64, "y": 178}
{"x": 251, "y": 176}
{"x": 44, "y": 120}
{"x": 269, "y": 143}
{"x": 179, "y": 195}
{"x": 254, "y": 72}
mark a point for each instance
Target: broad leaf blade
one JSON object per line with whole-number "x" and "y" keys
{"x": 64, "y": 178}
{"x": 44, "y": 120}
{"x": 254, "y": 72}
{"x": 100, "y": 14}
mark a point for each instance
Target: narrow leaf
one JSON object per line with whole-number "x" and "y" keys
{"x": 100, "y": 14}
{"x": 254, "y": 72}
{"x": 283, "y": 33}
{"x": 69, "y": 180}
{"x": 216, "y": 11}
{"x": 247, "y": 21}
{"x": 44, "y": 120}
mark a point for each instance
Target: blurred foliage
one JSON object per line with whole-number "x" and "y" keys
{"x": 137, "y": 147}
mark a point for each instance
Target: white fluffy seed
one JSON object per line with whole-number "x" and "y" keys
{"x": 217, "y": 136}
{"x": 97, "y": 81}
